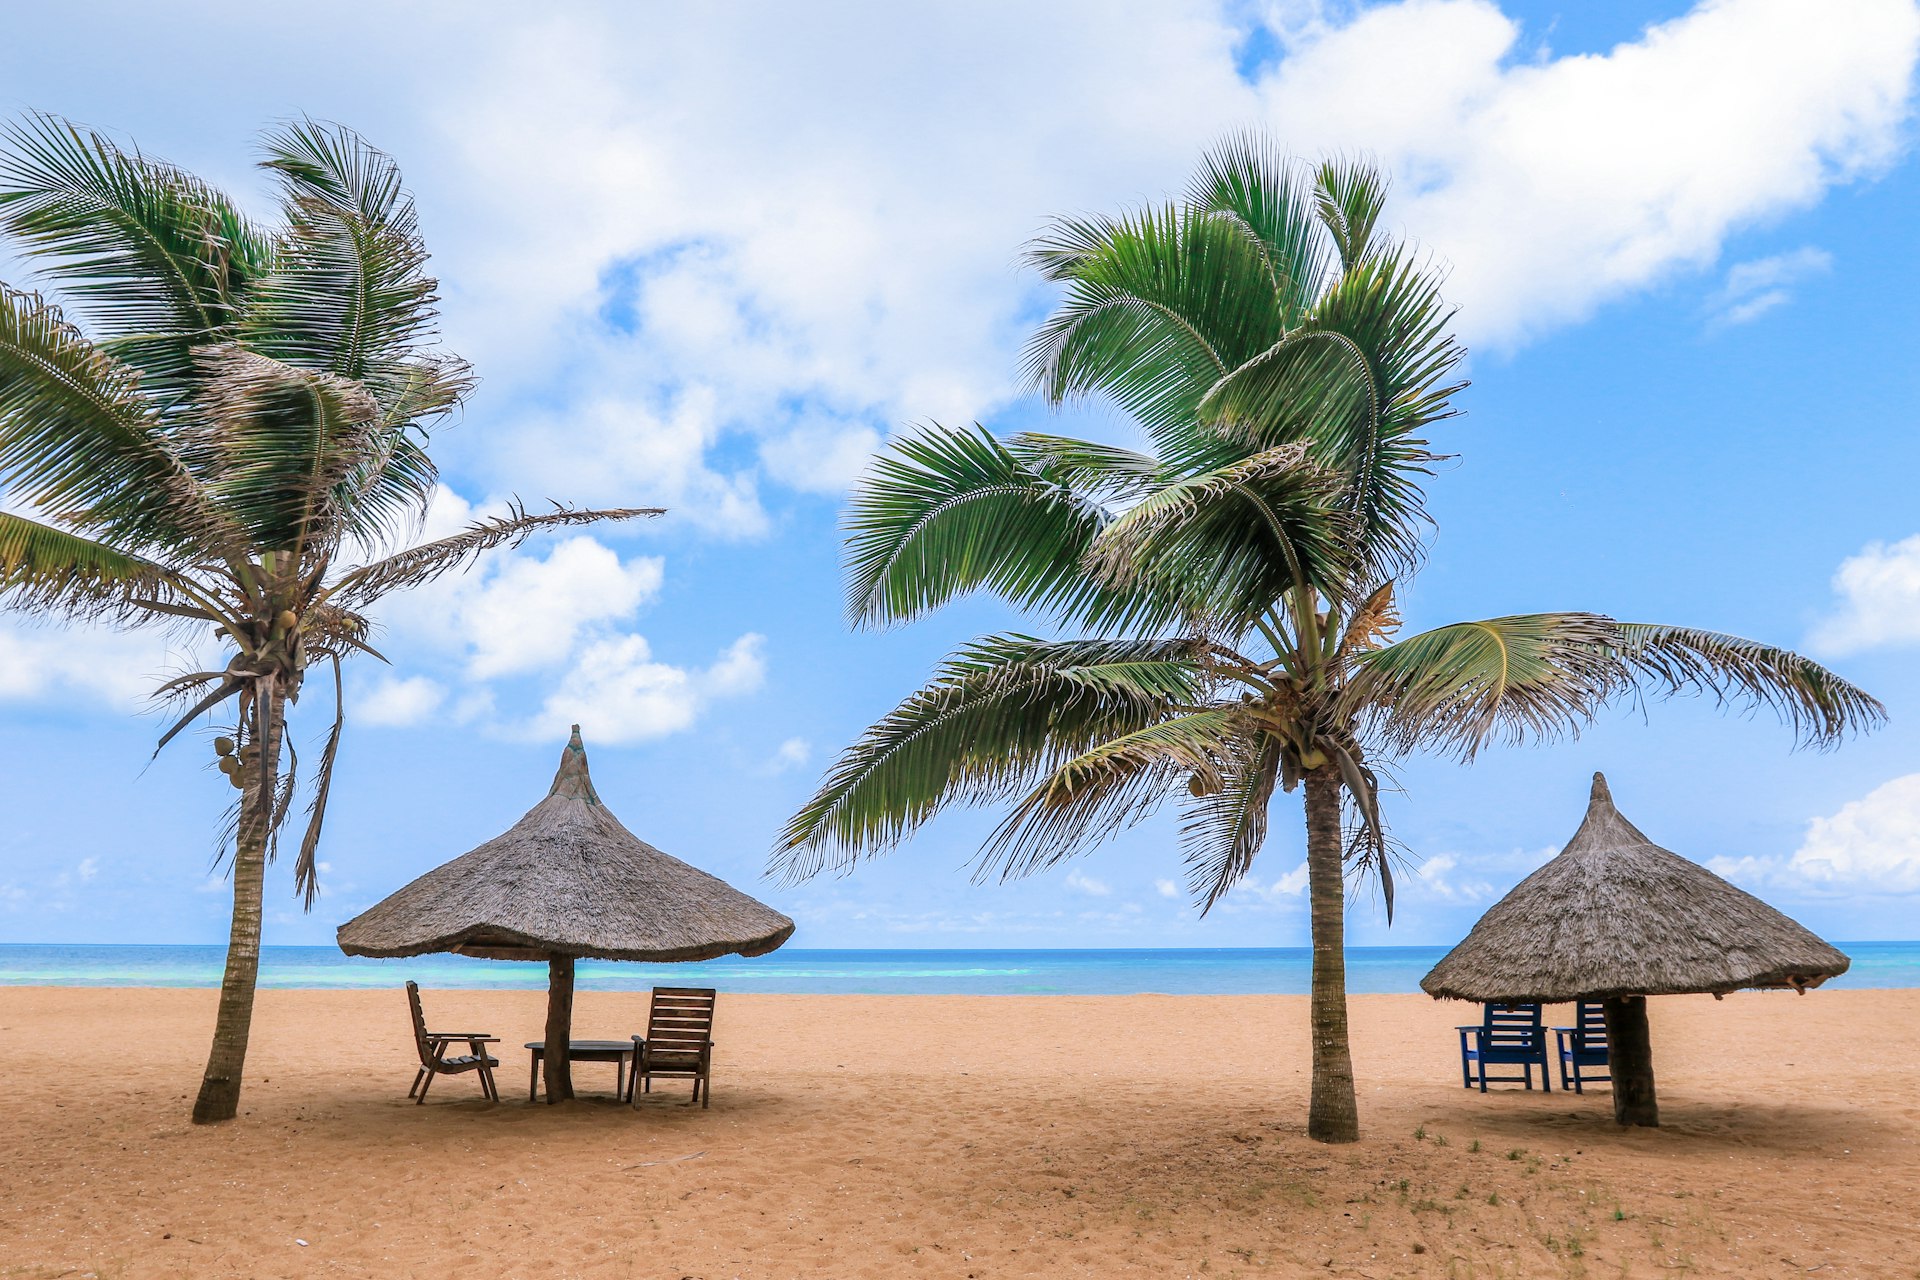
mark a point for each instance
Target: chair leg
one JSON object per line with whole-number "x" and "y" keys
{"x": 424, "y": 1086}
{"x": 487, "y": 1086}
{"x": 418, "y": 1076}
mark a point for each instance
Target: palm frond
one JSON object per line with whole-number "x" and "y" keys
{"x": 77, "y": 436}
{"x": 1251, "y": 183}
{"x": 1819, "y": 706}
{"x": 156, "y": 260}
{"x": 1361, "y": 379}
{"x": 348, "y": 293}
{"x": 48, "y": 570}
{"x": 271, "y": 442}
{"x": 998, "y": 714}
{"x": 1241, "y": 537}
{"x": 1349, "y": 197}
{"x": 1110, "y": 786}
{"x": 1158, "y": 305}
{"x": 424, "y": 563}
{"x": 947, "y": 511}
{"x": 1455, "y": 688}
{"x": 306, "y": 867}
{"x": 1223, "y": 828}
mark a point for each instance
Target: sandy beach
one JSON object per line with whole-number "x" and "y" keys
{"x": 977, "y": 1137}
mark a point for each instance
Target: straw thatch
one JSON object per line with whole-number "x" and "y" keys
{"x": 568, "y": 880}
{"x": 1616, "y": 915}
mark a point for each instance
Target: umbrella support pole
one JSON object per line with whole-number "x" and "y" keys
{"x": 557, "y": 1069}
{"x": 1630, "y": 1060}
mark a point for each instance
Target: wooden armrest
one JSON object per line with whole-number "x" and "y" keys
{"x": 459, "y": 1035}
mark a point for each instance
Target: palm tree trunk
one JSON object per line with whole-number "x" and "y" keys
{"x": 220, "y": 1088}
{"x": 1333, "y": 1115}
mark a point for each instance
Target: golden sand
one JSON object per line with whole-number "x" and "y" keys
{"x": 890, "y": 1136}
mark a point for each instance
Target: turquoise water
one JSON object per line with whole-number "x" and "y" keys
{"x": 1035, "y": 972}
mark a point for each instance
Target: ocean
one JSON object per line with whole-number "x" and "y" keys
{"x": 1222, "y": 971}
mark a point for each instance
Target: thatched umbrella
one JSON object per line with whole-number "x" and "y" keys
{"x": 1616, "y": 918}
{"x": 566, "y": 881}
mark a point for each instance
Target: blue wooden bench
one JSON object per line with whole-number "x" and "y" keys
{"x": 1582, "y": 1049}
{"x": 1508, "y": 1035}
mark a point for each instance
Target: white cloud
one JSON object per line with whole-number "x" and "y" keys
{"x": 618, "y": 693}
{"x": 516, "y": 612}
{"x": 1166, "y": 888}
{"x": 394, "y": 702}
{"x": 88, "y": 868}
{"x": 791, "y": 754}
{"x": 1754, "y": 288}
{"x": 1871, "y": 846}
{"x": 1081, "y": 883}
{"x": 119, "y": 669}
{"x": 1879, "y": 604}
{"x": 1555, "y": 184}
{"x": 1475, "y": 878}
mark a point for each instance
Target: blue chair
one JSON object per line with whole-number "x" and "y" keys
{"x": 1508, "y": 1035}
{"x": 1583, "y": 1048}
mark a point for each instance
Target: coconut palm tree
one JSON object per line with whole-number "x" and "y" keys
{"x": 233, "y": 441}
{"x": 1237, "y": 577}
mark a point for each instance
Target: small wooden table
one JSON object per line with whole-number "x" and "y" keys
{"x": 618, "y": 1052}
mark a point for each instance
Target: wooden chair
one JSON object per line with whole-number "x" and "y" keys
{"x": 1508, "y": 1035}
{"x": 432, "y": 1046}
{"x": 1583, "y": 1048}
{"x": 677, "y": 1042}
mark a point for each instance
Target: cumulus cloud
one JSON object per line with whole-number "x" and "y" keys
{"x": 1754, "y": 288}
{"x": 1080, "y": 882}
{"x": 116, "y": 669}
{"x": 1553, "y": 184}
{"x": 1870, "y": 846}
{"x": 1879, "y": 600}
{"x": 789, "y": 755}
{"x": 395, "y": 702}
{"x": 617, "y": 686}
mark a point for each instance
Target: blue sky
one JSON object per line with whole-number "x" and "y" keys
{"x": 710, "y": 259}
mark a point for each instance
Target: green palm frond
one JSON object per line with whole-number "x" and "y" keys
{"x": 1224, "y": 826}
{"x": 1819, "y": 706}
{"x": 154, "y": 259}
{"x": 48, "y": 570}
{"x": 1100, "y": 472}
{"x": 349, "y": 293}
{"x": 271, "y": 442}
{"x": 1455, "y": 688}
{"x": 1361, "y": 379}
{"x": 947, "y": 511}
{"x": 998, "y": 714}
{"x": 1253, "y": 184}
{"x": 1111, "y": 785}
{"x": 76, "y": 434}
{"x": 1241, "y": 537}
{"x": 422, "y": 564}
{"x": 1543, "y": 676}
{"x": 1159, "y": 304}
{"x": 1349, "y": 197}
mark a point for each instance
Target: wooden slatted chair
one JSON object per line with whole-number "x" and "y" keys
{"x": 678, "y": 1042}
{"x": 432, "y": 1046}
{"x": 1582, "y": 1049}
{"x": 1508, "y": 1035}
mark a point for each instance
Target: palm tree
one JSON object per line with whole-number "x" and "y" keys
{"x": 235, "y": 440}
{"x": 1282, "y": 359}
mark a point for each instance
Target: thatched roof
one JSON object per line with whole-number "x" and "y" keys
{"x": 1615, "y": 915}
{"x": 568, "y": 879}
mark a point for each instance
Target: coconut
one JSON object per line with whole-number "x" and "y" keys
{"x": 223, "y": 745}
